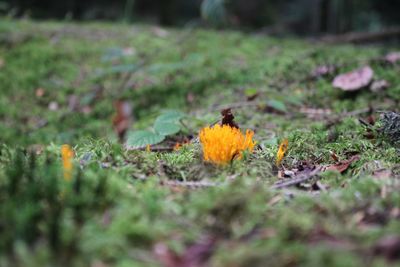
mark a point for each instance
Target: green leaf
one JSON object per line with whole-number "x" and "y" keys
{"x": 278, "y": 105}
{"x": 172, "y": 116}
{"x": 142, "y": 138}
{"x": 166, "y": 128}
{"x": 250, "y": 91}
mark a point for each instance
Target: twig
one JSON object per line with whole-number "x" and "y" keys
{"x": 344, "y": 115}
{"x": 301, "y": 178}
{"x": 358, "y": 37}
{"x": 191, "y": 184}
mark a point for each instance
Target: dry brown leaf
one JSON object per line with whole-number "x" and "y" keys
{"x": 195, "y": 255}
{"x": 382, "y": 173}
{"x": 389, "y": 247}
{"x": 39, "y": 92}
{"x": 379, "y": 85}
{"x": 323, "y": 70}
{"x": 53, "y": 106}
{"x": 122, "y": 119}
{"x": 342, "y": 165}
{"x": 354, "y": 80}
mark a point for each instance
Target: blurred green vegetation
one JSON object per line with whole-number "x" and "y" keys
{"x": 58, "y": 84}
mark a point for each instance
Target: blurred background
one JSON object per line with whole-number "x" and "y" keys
{"x": 301, "y": 17}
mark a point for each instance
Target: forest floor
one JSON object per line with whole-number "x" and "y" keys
{"x": 334, "y": 199}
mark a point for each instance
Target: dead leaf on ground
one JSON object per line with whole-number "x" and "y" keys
{"x": 159, "y": 32}
{"x": 36, "y": 149}
{"x": 300, "y": 175}
{"x": 122, "y": 118}
{"x": 306, "y": 171}
{"x": 342, "y": 166}
{"x": 382, "y": 173}
{"x": 354, "y": 80}
{"x": 320, "y": 235}
{"x": 323, "y": 70}
{"x": 190, "y": 98}
{"x": 316, "y": 113}
{"x": 252, "y": 97}
{"x": 53, "y": 106}
{"x": 73, "y": 103}
{"x": 228, "y": 118}
{"x": 195, "y": 255}
{"x": 392, "y": 57}
{"x": 334, "y": 156}
{"x": 129, "y": 51}
{"x": 379, "y": 85}
{"x": 389, "y": 247}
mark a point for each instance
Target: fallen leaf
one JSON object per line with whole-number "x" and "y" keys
{"x": 354, "y": 80}
{"x": 277, "y": 106}
{"x": 36, "y": 149}
{"x": 389, "y": 247}
{"x": 382, "y": 173}
{"x": 39, "y": 92}
{"x": 392, "y": 57}
{"x": 318, "y": 186}
{"x": 323, "y": 70}
{"x": 53, "y": 106}
{"x": 160, "y": 32}
{"x": 196, "y": 255}
{"x": 315, "y": 113}
{"x": 190, "y": 98}
{"x": 281, "y": 151}
{"x": 128, "y": 51}
{"x": 167, "y": 257}
{"x": 251, "y": 94}
{"x": 379, "y": 85}
{"x": 301, "y": 175}
{"x": 342, "y": 165}
{"x": 334, "y": 156}
{"x": 252, "y": 97}
{"x": 228, "y": 118}
{"x": 73, "y": 103}
{"x": 122, "y": 118}
{"x": 86, "y": 110}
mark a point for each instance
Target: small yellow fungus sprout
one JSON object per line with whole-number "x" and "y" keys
{"x": 177, "y": 146}
{"x": 67, "y": 155}
{"x": 281, "y": 151}
{"x": 223, "y": 143}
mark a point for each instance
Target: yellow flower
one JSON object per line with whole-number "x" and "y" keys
{"x": 67, "y": 155}
{"x": 281, "y": 151}
{"x": 222, "y": 144}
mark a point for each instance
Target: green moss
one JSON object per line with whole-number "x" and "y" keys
{"x": 124, "y": 209}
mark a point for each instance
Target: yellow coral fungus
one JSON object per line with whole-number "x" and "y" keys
{"x": 223, "y": 143}
{"x": 67, "y": 155}
{"x": 281, "y": 151}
